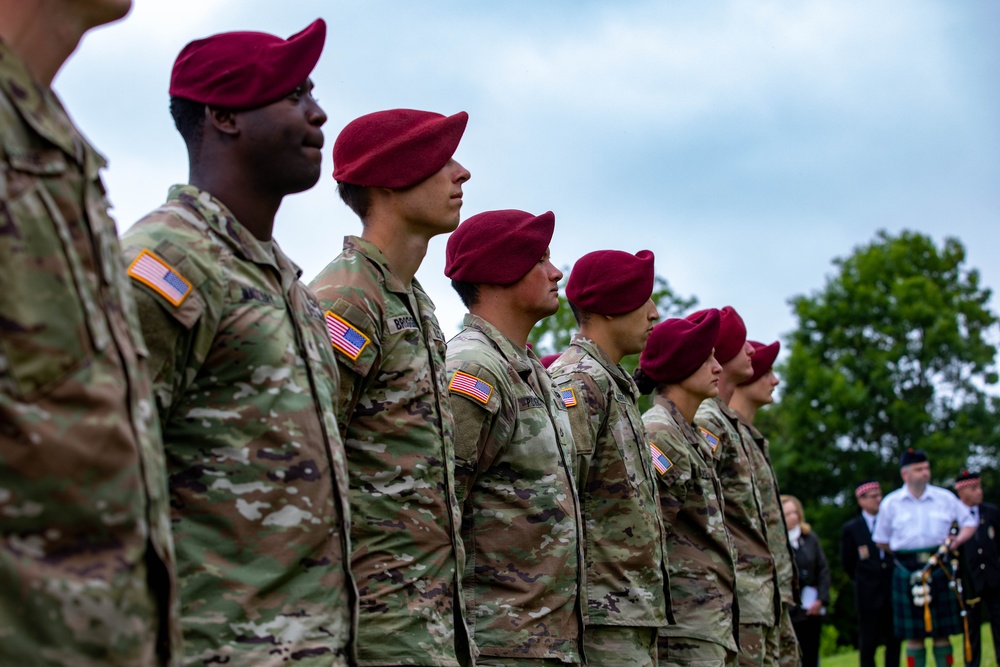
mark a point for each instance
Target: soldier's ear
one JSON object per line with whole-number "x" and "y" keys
{"x": 222, "y": 120}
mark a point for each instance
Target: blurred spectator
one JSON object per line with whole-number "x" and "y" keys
{"x": 814, "y": 580}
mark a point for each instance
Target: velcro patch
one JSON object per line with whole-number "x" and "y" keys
{"x": 568, "y": 397}
{"x": 402, "y": 323}
{"x": 661, "y": 461}
{"x": 159, "y": 276}
{"x": 345, "y": 336}
{"x": 472, "y": 386}
{"x": 713, "y": 440}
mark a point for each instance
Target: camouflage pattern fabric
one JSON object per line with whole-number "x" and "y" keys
{"x": 396, "y": 421}
{"x": 621, "y": 646}
{"x": 688, "y": 652}
{"x": 244, "y": 381}
{"x": 700, "y": 551}
{"x": 86, "y": 559}
{"x": 756, "y": 577}
{"x": 626, "y": 577}
{"x": 787, "y": 646}
{"x": 774, "y": 515}
{"x": 753, "y": 645}
{"x": 521, "y": 519}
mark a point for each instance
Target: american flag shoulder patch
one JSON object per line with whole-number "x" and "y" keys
{"x": 713, "y": 440}
{"x": 472, "y": 386}
{"x": 160, "y": 277}
{"x": 568, "y": 397}
{"x": 660, "y": 460}
{"x": 345, "y": 337}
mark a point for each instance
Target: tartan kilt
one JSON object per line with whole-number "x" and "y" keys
{"x": 908, "y": 618}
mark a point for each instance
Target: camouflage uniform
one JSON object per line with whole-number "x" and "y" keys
{"x": 244, "y": 381}
{"x": 86, "y": 559}
{"x": 626, "y": 577}
{"x": 784, "y": 645}
{"x": 700, "y": 551}
{"x": 521, "y": 518}
{"x": 395, "y": 418}
{"x": 756, "y": 576}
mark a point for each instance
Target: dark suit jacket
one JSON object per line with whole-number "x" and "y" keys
{"x": 980, "y": 555}
{"x": 872, "y": 576}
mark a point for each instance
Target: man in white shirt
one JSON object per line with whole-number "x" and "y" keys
{"x": 914, "y": 522}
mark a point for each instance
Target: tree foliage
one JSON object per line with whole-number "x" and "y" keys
{"x": 895, "y": 351}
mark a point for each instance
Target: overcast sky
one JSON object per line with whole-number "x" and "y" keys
{"x": 747, "y": 144}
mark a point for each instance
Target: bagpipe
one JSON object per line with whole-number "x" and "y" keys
{"x": 945, "y": 560}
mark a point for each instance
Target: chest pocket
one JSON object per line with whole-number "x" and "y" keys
{"x": 628, "y": 441}
{"x": 45, "y": 332}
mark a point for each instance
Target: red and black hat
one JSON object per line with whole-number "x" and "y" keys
{"x": 966, "y": 479}
{"x": 762, "y": 360}
{"x": 867, "y": 486}
{"x": 678, "y": 347}
{"x": 397, "y": 148}
{"x": 611, "y": 282}
{"x": 498, "y": 247}
{"x": 246, "y": 70}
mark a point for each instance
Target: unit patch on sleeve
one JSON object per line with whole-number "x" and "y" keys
{"x": 159, "y": 276}
{"x": 568, "y": 397}
{"x": 345, "y": 337}
{"x": 660, "y": 460}
{"x": 472, "y": 386}
{"x": 713, "y": 440}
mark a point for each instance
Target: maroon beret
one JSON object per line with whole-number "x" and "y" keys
{"x": 549, "y": 358}
{"x": 762, "y": 359}
{"x": 611, "y": 282}
{"x": 678, "y": 347}
{"x": 498, "y": 247}
{"x": 732, "y": 333}
{"x": 397, "y": 148}
{"x": 246, "y": 70}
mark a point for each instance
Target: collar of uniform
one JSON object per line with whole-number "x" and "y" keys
{"x": 371, "y": 251}
{"x": 40, "y": 107}
{"x": 675, "y": 414}
{"x": 621, "y": 378}
{"x": 517, "y": 357}
{"x": 727, "y": 411}
{"x": 225, "y": 224}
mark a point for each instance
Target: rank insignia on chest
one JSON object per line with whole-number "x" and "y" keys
{"x": 159, "y": 276}
{"x": 568, "y": 397}
{"x": 344, "y": 336}
{"x": 472, "y": 386}
{"x": 863, "y": 552}
{"x": 660, "y": 460}
{"x": 711, "y": 438}
{"x": 991, "y": 532}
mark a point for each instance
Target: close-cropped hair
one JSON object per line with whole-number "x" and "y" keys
{"x": 357, "y": 197}
{"x": 806, "y": 528}
{"x": 467, "y": 292}
{"x": 189, "y": 119}
{"x": 581, "y": 316}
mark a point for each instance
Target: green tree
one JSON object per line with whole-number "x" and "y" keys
{"x": 894, "y": 352}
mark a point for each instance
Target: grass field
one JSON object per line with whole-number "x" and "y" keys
{"x": 851, "y": 659}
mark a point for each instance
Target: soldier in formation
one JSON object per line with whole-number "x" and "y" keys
{"x": 86, "y": 558}
{"x": 627, "y": 592}
{"x": 395, "y": 170}
{"x": 748, "y": 397}
{"x": 243, "y": 372}
{"x": 679, "y": 368}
